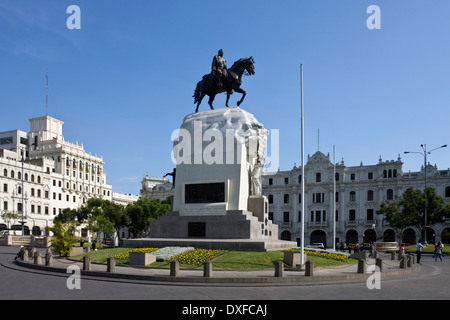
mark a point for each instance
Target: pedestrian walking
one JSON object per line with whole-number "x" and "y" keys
{"x": 419, "y": 248}
{"x": 438, "y": 252}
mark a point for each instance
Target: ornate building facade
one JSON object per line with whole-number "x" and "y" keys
{"x": 41, "y": 174}
{"x": 359, "y": 192}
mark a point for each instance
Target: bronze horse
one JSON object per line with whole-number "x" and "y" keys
{"x": 231, "y": 82}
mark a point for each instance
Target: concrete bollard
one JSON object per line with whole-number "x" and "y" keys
{"x": 362, "y": 266}
{"x": 87, "y": 263}
{"x": 379, "y": 263}
{"x": 409, "y": 261}
{"x": 207, "y": 269}
{"x": 31, "y": 252}
{"x": 24, "y": 254}
{"x": 403, "y": 263}
{"x": 111, "y": 265}
{"x": 279, "y": 269}
{"x": 174, "y": 268}
{"x": 48, "y": 259}
{"x": 37, "y": 258}
{"x": 309, "y": 268}
{"x": 393, "y": 255}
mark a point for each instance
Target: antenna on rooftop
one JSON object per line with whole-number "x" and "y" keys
{"x": 46, "y": 95}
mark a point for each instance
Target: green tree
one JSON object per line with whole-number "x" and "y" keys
{"x": 142, "y": 212}
{"x": 104, "y": 215}
{"x": 408, "y": 210}
{"x": 63, "y": 236}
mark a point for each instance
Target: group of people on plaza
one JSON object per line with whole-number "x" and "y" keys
{"x": 438, "y": 250}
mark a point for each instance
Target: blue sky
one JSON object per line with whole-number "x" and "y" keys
{"x": 124, "y": 82}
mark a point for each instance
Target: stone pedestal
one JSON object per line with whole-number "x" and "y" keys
{"x": 217, "y": 153}
{"x": 141, "y": 259}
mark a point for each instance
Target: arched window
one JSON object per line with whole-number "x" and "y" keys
{"x": 12, "y": 173}
{"x": 336, "y": 176}
{"x": 5, "y": 172}
{"x": 286, "y": 198}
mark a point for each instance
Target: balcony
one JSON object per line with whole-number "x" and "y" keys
{"x": 317, "y": 224}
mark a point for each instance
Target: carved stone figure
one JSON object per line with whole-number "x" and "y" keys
{"x": 256, "y": 185}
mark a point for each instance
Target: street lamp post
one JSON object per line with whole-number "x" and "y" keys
{"x": 424, "y": 154}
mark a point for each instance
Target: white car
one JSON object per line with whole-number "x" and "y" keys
{"x": 316, "y": 246}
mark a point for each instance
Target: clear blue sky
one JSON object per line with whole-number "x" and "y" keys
{"x": 124, "y": 81}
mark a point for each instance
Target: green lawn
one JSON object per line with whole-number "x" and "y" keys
{"x": 228, "y": 260}
{"x": 428, "y": 249}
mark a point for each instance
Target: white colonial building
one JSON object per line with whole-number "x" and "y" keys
{"x": 41, "y": 174}
{"x": 359, "y": 192}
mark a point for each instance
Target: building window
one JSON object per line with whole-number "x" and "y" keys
{"x": 318, "y": 177}
{"x": 370, "y": 195}
{"x": 286, "y": 198}
{"x": 286, "y": 180}
{"x": 318, "y": 197}
{"x": 390, "y": 194}
{"x": 337, "y": 196}
{"x": 300, "y": 178}
{"x": 270, "y": 181}
{"x": 370, "y": 214}
{"x": 5, "y": 187}
{"x": 299, "y": 198}
{"x": 271, "y": 216}
{"x": 270, "y": 197}
{"x": 286, "y": 216}
{"x": 336, "y": 176}
{"x": 352, "y": 215}
{"x": 352, "y": 196}
{"x": 447, "y": 192}
{"x": 352, "y": 176}
{"x": 370, "y": 175}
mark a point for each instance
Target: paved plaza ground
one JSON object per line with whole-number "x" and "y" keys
{"x": 431, "y": 281}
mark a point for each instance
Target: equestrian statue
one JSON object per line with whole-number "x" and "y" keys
{"x": 222, "y": 79}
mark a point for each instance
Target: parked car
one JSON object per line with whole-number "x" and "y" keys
{"x": 316, "y": 246}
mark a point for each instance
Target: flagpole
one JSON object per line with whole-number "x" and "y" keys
{"x": 334, "y": 198}
{"x": 302, "y": 237}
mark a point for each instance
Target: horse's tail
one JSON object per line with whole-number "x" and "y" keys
{"x": 197, "y": 93}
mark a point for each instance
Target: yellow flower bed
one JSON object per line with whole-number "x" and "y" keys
{"x": 322, "y": 254}
{"x": 197, "y": 256}
{"x": 126, "y": 255}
